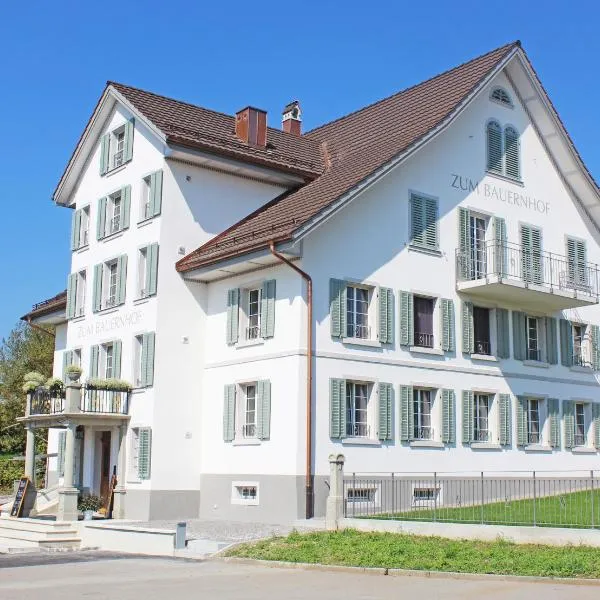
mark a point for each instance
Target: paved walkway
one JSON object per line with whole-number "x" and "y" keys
{"x": 154, "y": 579}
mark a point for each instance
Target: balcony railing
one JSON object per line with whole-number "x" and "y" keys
{"x": 45, "y": 402}
{"x": 249, "y": 430}
{"x": 423, "y": 340}
{"x": 482, "y": 435}
{"x": 579, "y": 439}
{"x": 361, "y": 430}
{"x": 362, "y": 332}
{"x": 482, "y": 347}
{"x": 111, "y": 402}
{"x": 513, "y": 261}
{"x": 423, "y": 433}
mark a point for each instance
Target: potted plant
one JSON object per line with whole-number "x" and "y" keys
{"x": 55, "y": 385}
{"x": 88, "y": 504}
{"x": 32, "y": 381}
{"x": 73, "y": 372}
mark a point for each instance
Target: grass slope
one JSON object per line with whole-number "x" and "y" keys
{"x": 390, "y": 550}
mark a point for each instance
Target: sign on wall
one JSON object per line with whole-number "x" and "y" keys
{"x": 108, "y": 324}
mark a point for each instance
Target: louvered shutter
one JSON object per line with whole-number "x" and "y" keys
{"x": 500, "y": 247}
{"x": 94, "y": 354}
{"x": 531, "y": 254}
{"x": 62, "y": 442}
{"x": 128, "y": 141}
{"x": 156, "y": 187}
{"x": 406, "y": 413}
{"x": 569, "y": 421}
{"x": 467, "y": 416}
{"x": 229, "y": 413}
{"x": 521, "y": 421}
{"x": 117, "y": 351}
{"x": 494, "y": 147}
{"x": 596, "y": 418}
{"x": 386, "y": 315}
{"x": 75, "y": 227}
{"x": 264, "y": 410}
{"x": 386, "y": 401}
{"x": 424, "y": 215}
{"x": 104, "y": 153}
{"x": 147, "y": 359}
{"x": 121, "y": 278}
{"x": 448, "y": 326}
{"x": 97, "y": 292}
{"x": 576, "y": 262}
{"x": 67, "y": 360}
{"x": 502, "y": 333}
{"x": 151, "y": 269}
{"x": 464, "y": 245}
{"x": 554, "y": 417}
{"x": 267, "y": 309}
{"x": 595, "y": 347}
{"x": 551, "y": 341}
{"x": 233, "y": 303}
{"x": 448, "y": 417}
{"x": 126, "y": 206}
{"x": 566, "y": 343}
{"x": 337, "y": 307}
{"x": 101, "y": 219}
{"x": 468, "y": 335}
{"x": 505, "y": 420}
{"x": 71, "y": 295}
{"x": 337, "y": 408}
{"x": 144, "y": 452}
{"x": 519, "y": 335}
{"x": 511, "y": 153}
{"x": 407, "y": 330}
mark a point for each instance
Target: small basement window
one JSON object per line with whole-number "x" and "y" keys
{"x": 425, "y": 495}
{"x": 244, "y": 492}
{"x": 361, "y": 494}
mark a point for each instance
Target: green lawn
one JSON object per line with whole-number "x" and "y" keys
{"x": 576, "y": 509}
{"x": 390, "y": 550}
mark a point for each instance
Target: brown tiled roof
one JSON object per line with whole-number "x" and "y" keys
{"x": 355, "y": 147}
{"x": 204, "y": 129}
{"x": 54, "y": 304}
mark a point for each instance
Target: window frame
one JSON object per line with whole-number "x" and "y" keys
{"x": 412, "y": 244}
{"x": 482, "y": 435}
{"x": 145, "y": 199}
{"x": 114, "y": 201}
{"x": 417, "y": 423}
{"x": 534, "y": 406}
{"x": 142, "y": 272}
{"x": 370, "y": 422}
{"x": 508, "y": 103}
{"x": 116, "y": 137}
{"x": 434, "y": 314}
{"x": 80, "y": 293}
{"x": 237, "y": 496}
{"x": 84, "y": 227}
{"x": 107, "y": 351}
{"x": 108, "y": 301}
{"x": 370, "y": 317}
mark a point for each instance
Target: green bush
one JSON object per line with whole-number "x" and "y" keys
{"x": 117, "y": 385}
{"x": 9, "y": 471}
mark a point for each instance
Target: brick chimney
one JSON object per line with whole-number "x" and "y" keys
{"x": 291, "y": 121}
{"x": 251, "y": 126}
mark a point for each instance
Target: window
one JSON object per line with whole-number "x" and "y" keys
{"x": 512, "y": 163}
{"x": 357, "y": 312}
{"x": 357, "y": 402}
{"x": 114, "y": 213}
{"x": 249, "y": 412}
{"x": 425, "y": 495}
{"x": 80, "y": 294}
{"x": 423, "y": 322}
{"x": 580, "y": 428}
{"x": 76, "y": 357}
{"x": 84, "y": 227}
{"x": 109, "y": 360}
{"x": 534, "y": 434}
{"x": 117, "y": 147}
{"x": 151, "y": 196}
{"x": 422, "y": 408}
{"x": 253, "y": 314}
{"x": 477, "y": 258}
{"x": 503, "y": 150}
{"x": 481, "y": 330}
{"x": 140, "y": 452}
{"x": 501, "y": 95}
{"x": 147, "y": 271}
{"x": 146, "y": 201}
{"x": 112, "y": 276}
{"x": 361, "y": 494}
{"x": 481, "y": 413}
{"x": 143, "y": 359}
{"x": 76, "y": 295}
{"x": 579, "y": 350}
{"x": 533, "y": 341}
{"x": 577, "y": 271}
{"x": 109, "y": 283}
{"x": 423, "y": 222}
{"x": 245, "y": 492}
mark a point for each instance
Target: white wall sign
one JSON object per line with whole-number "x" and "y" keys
{"x": 108, "y": 324}
{"x": 502, "y": 194}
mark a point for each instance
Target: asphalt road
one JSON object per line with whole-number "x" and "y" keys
{"x": 96, "y": 576}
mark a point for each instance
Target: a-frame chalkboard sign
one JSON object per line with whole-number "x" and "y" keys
{"x": 17, "y": 509}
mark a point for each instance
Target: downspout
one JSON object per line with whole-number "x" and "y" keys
{"x": 309, "y": 488}
{"x": 28, "y": 321}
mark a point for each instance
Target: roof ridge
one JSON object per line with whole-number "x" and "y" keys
{"x": 516, "y": 43}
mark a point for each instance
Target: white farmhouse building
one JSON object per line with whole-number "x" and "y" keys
{"x": 413, "y": 285}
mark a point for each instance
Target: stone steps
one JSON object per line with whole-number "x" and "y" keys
{"x": 38, "y": 533}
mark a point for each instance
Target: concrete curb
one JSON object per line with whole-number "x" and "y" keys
{"x": 277, "y": 564}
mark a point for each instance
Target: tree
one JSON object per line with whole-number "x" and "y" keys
{"x": 26, "y": 349}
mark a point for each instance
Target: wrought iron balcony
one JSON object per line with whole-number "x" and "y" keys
{"x": 513, "y": 273}
{"x": 42, "y": 402}
{"x": 112, "y": 402}
{"x": 45, "y": 402}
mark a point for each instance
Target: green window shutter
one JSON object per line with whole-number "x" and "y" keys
{"x": 596, "y": 418}
{"x": 151, "y": 269}
{"x": 121, "y": 278}
{"x": 448, "y": 326}
{"x": 126, "y": 208}
{"x": 97, "y": 292}
{"x": 406, "y": 413}
{"x": 101, "y": 219}
{"x": 531, "y": 254}
{"x": 500, "y": 247}
{"x": 448, "y": 416}
{"x": 233, "y": 316}
{"x": 467, "y": 416}
{"x": 75, "y": 227}
{"x": 494, "y": 147}
{"x": 595, "y": 346}
{"x": 519, "y": 335}
{"x": 468, "y": 335}
{"x": 502, "y": 331}
{"x": 62, "y": 442}
{"x": 386, "y": 401}
{"x": 521, "y": 421}
{"x": 144, "y": 452}
{"x": 94, "y": 354}
{"x": 569, "y": 420}
{"x": 566, "y": 343}
{"x": 104, "y": 153}
{"x": 229, "y": 413}
{"x": 337, "y": 408}
{"x": 264, "y": 410}
{"x": 337, "y": 307}
{"x": 463, "y": 241}
{"x": 147, "y": 359}
{"x": 554, "y": 417}
{"x": 577, "y": 262}
{"x": 156, "y": 187}
{"x": 505, "y": 420}
{"x": 423, "y": 222}
{"x": 551, "y": 341}
{"x": 71, "y": 294}
{"x": 117, "y": 351}
{"x": 407, "y": 330}
{"x": 67, "y": 360}
{"x": 386, "y": 315}
{"x": 511, "y": 153}
{"x": 267, "y": 309}
{"x": 128, "y": 142}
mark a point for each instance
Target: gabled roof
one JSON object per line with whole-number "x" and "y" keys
{"x": 57, "y": 303}
{"x": 356, "y": 146}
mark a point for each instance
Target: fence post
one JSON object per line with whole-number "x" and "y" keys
{"x": 335, "y": 500}
{"x": 592, "y": 502}
{"x": 435, "y": 497}
{"x": 534, "y": 502}
{"x": 482, "y": 491}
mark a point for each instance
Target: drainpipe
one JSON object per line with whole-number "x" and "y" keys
{"x": 28, "y": 321}
{"x": 309, "y": 377}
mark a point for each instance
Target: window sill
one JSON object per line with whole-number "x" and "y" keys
{"x": 116, "y": 170}
{"x": 360, "y": 442}
{"x": 113, "y": 236}
{"x": 485, "y": 446}
{"x": 486, "y": 357}
{"x": 82, "y": 249}
{"x": 143, "y": 300}
{"x": 578, "y": 369}
{"x": 421, "y": 250}
{"x": 426, "y": 444}
{"x": 147, "y": 221}
{"x": 422, "y": 350}
{"x": 361, "y": 342}
{"x": 538, "y": 448}
{"x": 246, "y": 442}
{"x": 249, "y": 343}
{"x": 108, "y": 310}
{"x": 518, "y": 182}
{"x": 536, "y": 363}
{"x": 77, "y": 318}
{"x": 583, "y": 450}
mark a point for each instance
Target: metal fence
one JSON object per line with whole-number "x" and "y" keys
{"x": 535, "y": 498}
{"x": 45, "y": 402}
{"x": 104, "y": 401}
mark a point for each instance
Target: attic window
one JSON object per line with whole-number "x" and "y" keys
{"x": 501, "y": 96}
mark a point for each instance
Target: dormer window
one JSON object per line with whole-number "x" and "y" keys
{"x": 501, "y": 96}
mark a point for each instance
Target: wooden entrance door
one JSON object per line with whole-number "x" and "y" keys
{"x": 104, "y": 465}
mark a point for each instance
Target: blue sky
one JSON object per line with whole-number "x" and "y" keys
{"x": 332, "y": 56}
